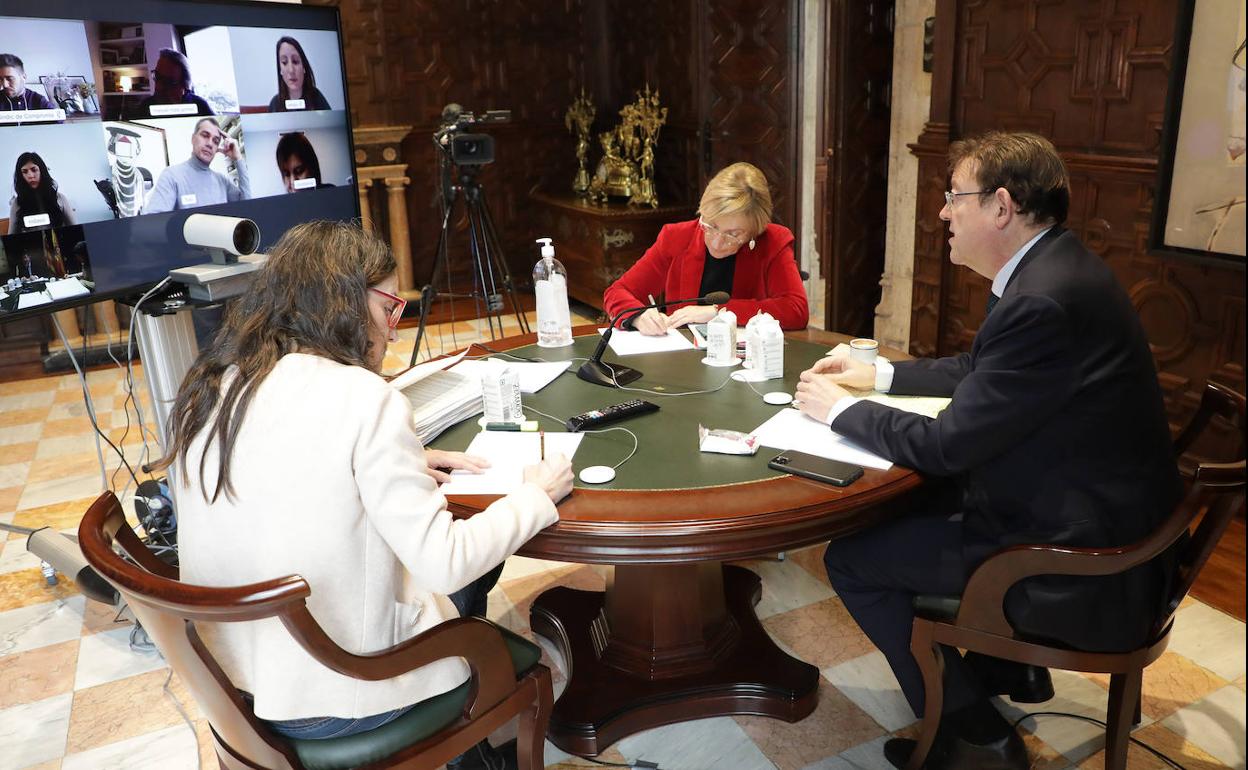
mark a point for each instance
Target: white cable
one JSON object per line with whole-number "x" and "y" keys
{"x": 636, "y": 442}
{"x": 86, "y": 395}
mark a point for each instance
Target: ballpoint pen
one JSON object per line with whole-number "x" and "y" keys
{"x": 541, "y": 441}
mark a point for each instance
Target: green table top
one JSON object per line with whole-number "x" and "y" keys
{"x": 667, "y": 455}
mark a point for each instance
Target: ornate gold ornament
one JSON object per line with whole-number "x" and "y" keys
{"x": 626, "y": 169}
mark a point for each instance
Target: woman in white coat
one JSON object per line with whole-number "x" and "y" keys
{"x": 292, "y": 455}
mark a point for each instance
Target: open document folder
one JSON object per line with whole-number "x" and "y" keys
{"x": 509, "y": 453}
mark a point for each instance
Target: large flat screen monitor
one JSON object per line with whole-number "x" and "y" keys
{"x": 119, "y": 120}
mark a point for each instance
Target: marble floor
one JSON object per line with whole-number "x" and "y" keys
{"x": 75, "y": 693}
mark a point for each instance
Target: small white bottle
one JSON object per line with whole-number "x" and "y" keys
{"x": 769, "y": 353}
{"x": 721, "y": 339}
{"x": 751, "y": 337}
{"x": 500, "y": 393}
{"x": 550, "y": 282}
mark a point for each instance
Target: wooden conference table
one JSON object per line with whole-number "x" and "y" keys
{"x": 674, "y": 637}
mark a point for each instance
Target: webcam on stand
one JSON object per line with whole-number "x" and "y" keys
{"x": 231, "y": 242}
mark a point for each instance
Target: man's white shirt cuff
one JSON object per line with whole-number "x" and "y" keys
{"x": 883, "y": 375}
{"x": 839, "y": 407}
{"x": 883, "y": 382}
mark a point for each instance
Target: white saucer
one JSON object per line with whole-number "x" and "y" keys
{"x": 597, "y": 474}
{"x": 733, "y": 362}
{"x": 778, "y": 398}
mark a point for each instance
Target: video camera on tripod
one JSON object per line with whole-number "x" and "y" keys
{"x": 459, "y": 160}
{"x": 467, "y": 149}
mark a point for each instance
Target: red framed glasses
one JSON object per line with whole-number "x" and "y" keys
{"x": 395, "y": 313}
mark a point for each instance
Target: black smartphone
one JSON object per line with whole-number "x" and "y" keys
{"x": 817, "y": 468}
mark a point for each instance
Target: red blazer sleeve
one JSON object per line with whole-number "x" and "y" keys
{"x": 647, "y": 276}
{"x": 767, "y": 280}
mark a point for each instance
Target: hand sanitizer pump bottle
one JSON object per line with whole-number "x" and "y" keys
{"x": 550, "y": 281}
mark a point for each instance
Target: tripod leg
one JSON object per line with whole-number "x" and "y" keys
{"x": 501, "y": 263}
{"x": 439, "y": 265}
{"x": 481, "y": 262}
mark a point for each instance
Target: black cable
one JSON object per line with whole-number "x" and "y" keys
{"x": 1102, "y": 724}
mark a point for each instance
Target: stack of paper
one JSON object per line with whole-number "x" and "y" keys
{"x": 440, "y": 400}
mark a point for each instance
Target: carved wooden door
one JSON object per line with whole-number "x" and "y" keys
{"x": 857, "y": 102}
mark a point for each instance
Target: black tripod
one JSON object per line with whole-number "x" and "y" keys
{"x": 491, "y": 276}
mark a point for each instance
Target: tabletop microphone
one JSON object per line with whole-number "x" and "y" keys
{"x": 614, "y": 375}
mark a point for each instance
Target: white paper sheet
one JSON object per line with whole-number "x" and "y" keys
{"x": 32, "y": 299}
{"x": 626, "y": 343}
{"x": 533, "y": 375}
{"x": 66, "y": 288}
{"x": 421, "y": 371}
{"x": 509, "y": 453}
{"x": 928, "y": 406}
{"x": 790, "y": 429}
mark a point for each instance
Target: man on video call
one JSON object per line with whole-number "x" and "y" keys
{"x": 172, "y": 84}
{"x": 14, "y": 95}
{"x": 192, "y": 183}
{"x": 1056, "y": 433}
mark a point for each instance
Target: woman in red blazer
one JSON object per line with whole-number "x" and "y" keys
{"x": 732, "y": 246}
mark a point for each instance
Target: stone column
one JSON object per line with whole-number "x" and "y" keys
{"x": 912, "y": 93}
{"x": 366, "y": 216}
{"x": 396, "y": 199}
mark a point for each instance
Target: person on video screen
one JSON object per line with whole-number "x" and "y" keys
{"x": 173, "y": 85}
{"x": 192, "y": 183}
{"x": 14, "y": 95}
{"x": 298, "y": 164}
{"x": 37, "y": 203}
{"x": 295, "y": 81}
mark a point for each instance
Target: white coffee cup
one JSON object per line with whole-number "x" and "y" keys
{"x": 863, "y": 350}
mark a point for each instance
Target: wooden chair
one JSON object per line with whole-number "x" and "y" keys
{"x": 428, "y": 735}
{"x": 976, "y": 620}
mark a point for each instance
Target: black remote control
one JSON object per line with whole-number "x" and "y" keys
{"x": 596, "y": 418}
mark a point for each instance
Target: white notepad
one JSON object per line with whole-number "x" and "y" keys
{"x": 509, "y": 454}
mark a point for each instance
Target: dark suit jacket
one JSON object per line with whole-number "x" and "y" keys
{"x": 1057, "y": 433}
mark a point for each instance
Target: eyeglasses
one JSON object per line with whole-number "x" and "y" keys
{"x": 950, "y": 195}
{"x": 712, "y": 231}
{"x": 396, "y": 312}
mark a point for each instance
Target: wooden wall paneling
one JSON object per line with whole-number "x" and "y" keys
{"x": 654, "y": 43}
{"x": 1092, "y": 76}
{"x": 750, "y": 56}
{"x": 857, "y": 110}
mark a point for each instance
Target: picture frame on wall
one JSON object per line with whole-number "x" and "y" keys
{"x": 1199, "y": 208}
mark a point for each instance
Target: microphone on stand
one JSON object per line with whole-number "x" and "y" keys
{"x": 614, "y": 375}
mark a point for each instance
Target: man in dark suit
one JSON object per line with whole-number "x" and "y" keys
{"x": 1055, "y": 434}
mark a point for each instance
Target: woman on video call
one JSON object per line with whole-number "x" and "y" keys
{"x": 35, "y": 192}
{"x": 296, "y": 161}
{"x": 295, "y": 79}
{"x": 732, "y": 246}
{"x": 295, "y": 456}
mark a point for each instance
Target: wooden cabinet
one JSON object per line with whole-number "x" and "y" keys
{"x": 598, "y": 243}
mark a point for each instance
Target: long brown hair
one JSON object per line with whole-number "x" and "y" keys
{"x": 310, "y": 297}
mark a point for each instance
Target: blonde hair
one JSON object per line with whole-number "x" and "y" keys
{"x": 738, "y": 189}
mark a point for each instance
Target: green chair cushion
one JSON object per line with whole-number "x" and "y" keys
{"x": 425, "y": 719}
